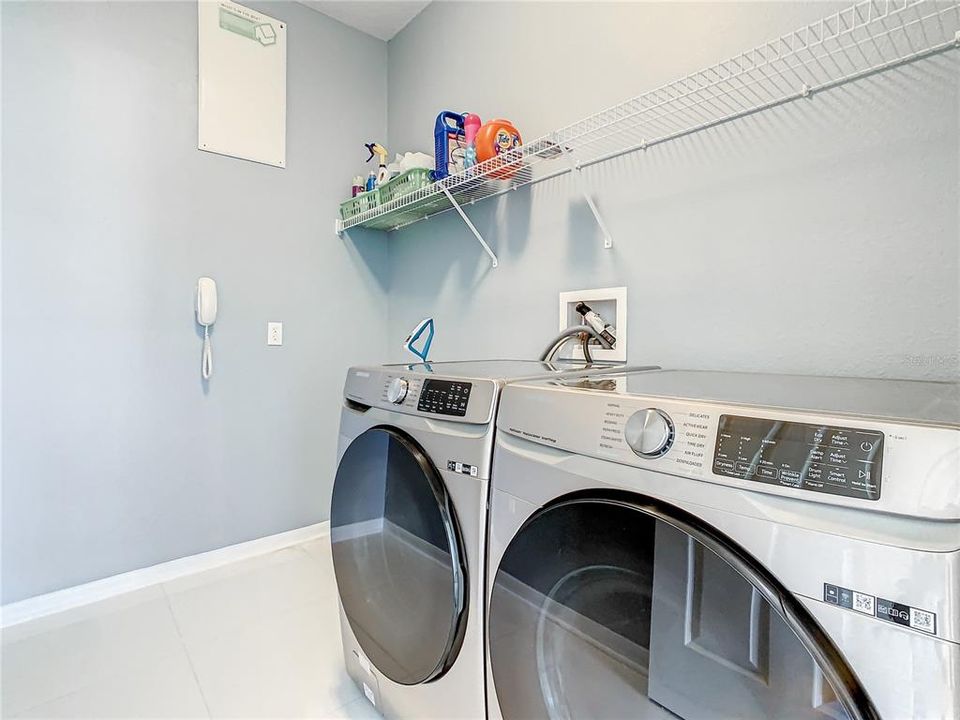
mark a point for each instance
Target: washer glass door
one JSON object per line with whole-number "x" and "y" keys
{"x": 397, "y": 556}
{"x": 606, "y": 609}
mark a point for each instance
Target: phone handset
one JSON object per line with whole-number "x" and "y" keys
{"x": 206, "y": 316}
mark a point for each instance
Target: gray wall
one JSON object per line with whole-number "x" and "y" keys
{"x": 115, "y": 455}
{"x": 821, "y": 237}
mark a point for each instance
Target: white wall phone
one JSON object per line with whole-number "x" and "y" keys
{"x": 206, "y": 316}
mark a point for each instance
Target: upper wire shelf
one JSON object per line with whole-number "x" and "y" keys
{"x": 865, "y": 38}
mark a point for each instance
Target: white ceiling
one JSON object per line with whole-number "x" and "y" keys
{"x": 381, "y": 18}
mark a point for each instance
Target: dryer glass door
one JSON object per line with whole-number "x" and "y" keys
{"x": 603, "y": 609}
{"x": 397, "y": 556}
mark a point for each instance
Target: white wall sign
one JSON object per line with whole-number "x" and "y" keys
{"x": 243, "y": 83}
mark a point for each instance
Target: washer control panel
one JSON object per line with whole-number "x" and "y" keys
{"x": 416, "y": 392}
{"x": 444, "y": 397}
{"x": 822, "y": 458}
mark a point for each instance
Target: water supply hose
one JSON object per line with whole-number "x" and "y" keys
{"x": 564, "y": 336}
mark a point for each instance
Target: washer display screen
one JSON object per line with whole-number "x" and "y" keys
{"x": 822, "y": 458}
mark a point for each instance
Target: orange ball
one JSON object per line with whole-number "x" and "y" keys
{"x": 495, "y": 138}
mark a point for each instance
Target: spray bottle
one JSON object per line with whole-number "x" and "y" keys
{"x": 383, "y": 174}
{"x": 471, "y": 126}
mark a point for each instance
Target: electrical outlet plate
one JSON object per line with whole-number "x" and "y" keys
{"x": 611, "y": 304}
{"x": 274, "y": 333}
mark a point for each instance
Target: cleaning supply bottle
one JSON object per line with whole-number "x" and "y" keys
{"x": 471, "y": 126}
{"x": 382, "y": 174}
{"x": 449, "y": 127}
{"x": 371, "y": 181}
{"x": 357, "y": 186}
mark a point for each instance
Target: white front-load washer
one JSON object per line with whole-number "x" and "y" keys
{"x": 408, "y": 527}
{"x": 721, "y": 545}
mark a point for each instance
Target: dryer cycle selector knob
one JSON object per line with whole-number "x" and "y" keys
{"x": 397, "y": 390}
{"x": 649, "y": 433}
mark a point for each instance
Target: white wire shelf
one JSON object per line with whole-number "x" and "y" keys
{"x": 866, "y": 38}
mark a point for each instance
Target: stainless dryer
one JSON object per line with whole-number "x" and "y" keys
{"x": 722, "y": 545}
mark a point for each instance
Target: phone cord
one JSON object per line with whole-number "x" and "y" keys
{"x": 207, "y": 363}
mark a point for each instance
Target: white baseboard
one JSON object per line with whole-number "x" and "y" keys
{"x": 91, "y": 592}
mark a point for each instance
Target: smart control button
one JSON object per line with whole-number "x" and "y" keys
{"x": 837, "y": 475}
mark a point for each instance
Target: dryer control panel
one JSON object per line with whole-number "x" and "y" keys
{"x": 824, "y": 458}
{"x": 889, "y": 466}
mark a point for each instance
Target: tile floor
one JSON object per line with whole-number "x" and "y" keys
{"x": 257, "y": 638}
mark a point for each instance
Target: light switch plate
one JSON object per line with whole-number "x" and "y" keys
{"x": 611, "y": 303}
{"x": 274, "y": 333}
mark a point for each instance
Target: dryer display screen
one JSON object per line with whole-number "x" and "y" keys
{"x": 823, "y": 458}
{"x": 444, "y": 397}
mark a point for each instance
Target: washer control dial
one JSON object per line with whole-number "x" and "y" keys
{"x": 649, "y": 433}
{"x": 397, "y": 390}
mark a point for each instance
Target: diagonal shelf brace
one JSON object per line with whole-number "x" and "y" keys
{"x": 585, "y": 191}
{"x": 476, "y": 233}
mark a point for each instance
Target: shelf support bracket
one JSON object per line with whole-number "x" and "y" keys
{"x": 476, "y": 233}
{"x": 585, "y": 191}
